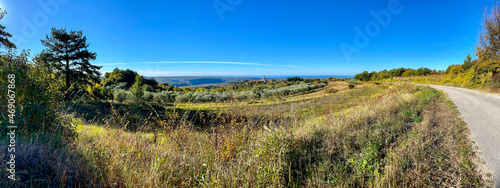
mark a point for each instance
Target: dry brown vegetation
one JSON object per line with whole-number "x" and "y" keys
{"x": 370, "y": 136}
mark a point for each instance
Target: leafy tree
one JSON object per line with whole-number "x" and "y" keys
{"x": 454, "y": 69}
{"x": 373, "y": 75}
{"x": 119, "y": 76}
{"x": 488, "y": 49}
{"x": 397, "y": 72}
{"x": 308, "y": 80}
{"x": 409, "y": 72}
{"x": 127, "y": 76}
{"x": 151, "y": 82}
{"x": 67, "y": 53}
{"x": 4, "y": 35}
{"x": 384, "y": 75}
{"x": 295, "y": 78}
{"x": 170, "y": 88}
{"x": 147, "y": 88}
{"x": 423, "y": 71}
{"x": 364, "y": 76}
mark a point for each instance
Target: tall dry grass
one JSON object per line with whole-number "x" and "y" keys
{"x": 372, "y": 136}
{"x": 407, "y": 137}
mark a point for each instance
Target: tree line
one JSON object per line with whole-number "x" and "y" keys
{"x": 384, "y": 74}
{"x": 483, "y": 70}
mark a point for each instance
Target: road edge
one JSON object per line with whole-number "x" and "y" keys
{"x": 478, "y": 155}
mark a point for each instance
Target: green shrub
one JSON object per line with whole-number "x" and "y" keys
{"x": 148, "y": 96}
{"x": 184, "y": 97}
{"x": 121, "y": 85}
{"x": 164, "y": 96}
{"x": 354, "y": 82}
{"x": 147, "y": 88}
{"x": 100, "y": 92}
{"x": 223, "y": 96}
{"x": 38, "y": 100}
{"x": 137, "y": 89}
{"x": 240, "y": 96}
{"x": 331, "y": 90}
{"x": 120, "y": 95}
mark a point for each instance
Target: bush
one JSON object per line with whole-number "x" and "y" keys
{"x": 120, "y": 95}
{"x": 100, "y": 92}
{"x": 184, "y": 97}
{"x": 38, "y": 99}
{"x": 148, "y": 96}
{"x": 121, "y": 85}
{"x": 354, "y": 82}
{"x": 223, "y": 96}
{"x": 209, "y": 97}
{"x": 240, "y": 96}
{"x": 131, "y": 96}
{"x": 331, "y": 90}
{"x": 164, "y": 96}
{"x": 147, "y": 88}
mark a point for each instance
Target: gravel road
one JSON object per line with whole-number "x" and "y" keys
{"x": 481, "y": 111}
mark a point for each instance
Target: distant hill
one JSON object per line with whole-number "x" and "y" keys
{"x": 199, "y": 80}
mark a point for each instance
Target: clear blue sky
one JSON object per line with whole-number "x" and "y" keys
{"x": 256, "y": 37}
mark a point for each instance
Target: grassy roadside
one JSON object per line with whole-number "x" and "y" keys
{"x": 410, "y": 137}
{"x": 380, "y": 136}
{"x": 467, "y": 81}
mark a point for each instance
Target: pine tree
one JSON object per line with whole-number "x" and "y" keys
{"x": 467, "y": 63}
{"x": 137, "y": 89}
{"x": 67, "y": 53}
{"x": 4, "y": 35}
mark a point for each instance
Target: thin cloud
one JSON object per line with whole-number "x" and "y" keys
{"x": 270, "y": 65}
{"x": 105, "y": 64}
{"x": 216, "y": 62}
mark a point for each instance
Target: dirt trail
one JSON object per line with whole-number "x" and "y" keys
{"x": 481, "y": 111}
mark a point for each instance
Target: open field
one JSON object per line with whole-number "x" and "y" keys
{"x": 395, "y": 135}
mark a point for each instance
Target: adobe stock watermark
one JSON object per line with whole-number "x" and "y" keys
{"x": 362, "y": 38}
{"x": 223, "y": 6}
{"x": 11, "y": 110}
{"x": 31, "y": 25}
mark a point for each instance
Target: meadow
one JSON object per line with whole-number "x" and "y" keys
{"x": 389, "y": 135}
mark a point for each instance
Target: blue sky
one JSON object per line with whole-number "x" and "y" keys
{"x": 257, "y": 37}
